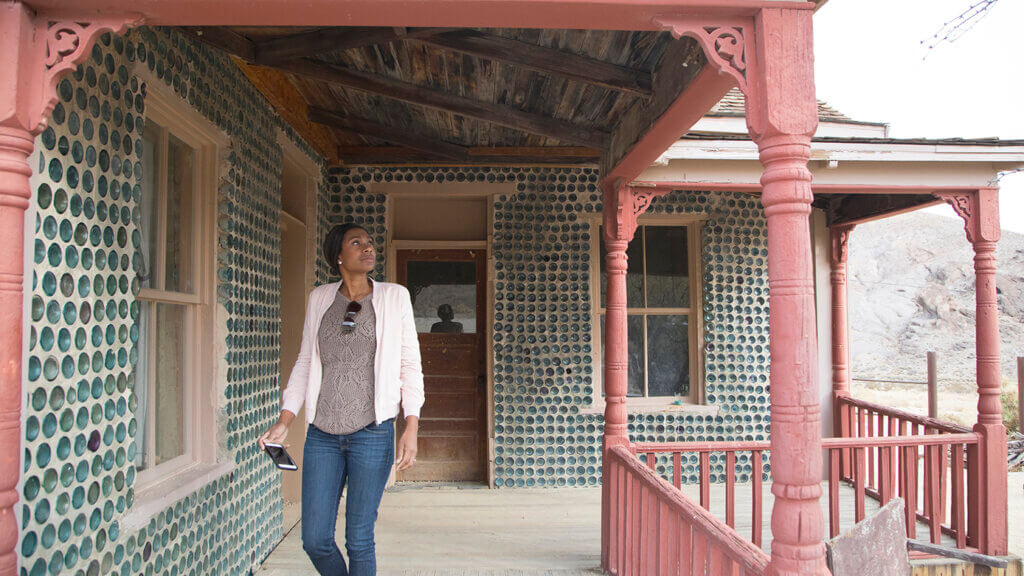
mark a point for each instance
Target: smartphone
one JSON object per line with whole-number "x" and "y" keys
{"x": 280, "y": 456}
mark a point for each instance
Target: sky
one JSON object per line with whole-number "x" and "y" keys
{"x": 870, "y": 65}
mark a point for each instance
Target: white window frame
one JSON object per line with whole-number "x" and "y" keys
{"x": 198, "y": 463}
{"x": 695, "y": 401}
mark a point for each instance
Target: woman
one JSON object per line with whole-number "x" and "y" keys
{"x": 358, "y": 363}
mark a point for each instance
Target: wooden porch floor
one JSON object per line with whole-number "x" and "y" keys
{"x": 461, "y": 530}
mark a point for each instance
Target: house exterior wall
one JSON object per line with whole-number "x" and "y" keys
{"x": 546, "y": 430}
{"x": 78, "y": 482}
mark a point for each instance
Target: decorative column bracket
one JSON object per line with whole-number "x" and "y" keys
{"x": 728, "y": 44}
{"x": 979, "y": 210}
{"x": 67, "y": 45}
{"x": 628, "y": 203}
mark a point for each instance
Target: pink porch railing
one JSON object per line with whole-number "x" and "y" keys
{"x": 936, "y": 493}
{"x": 655, "y": 530}
{"x": 864, "y": 420}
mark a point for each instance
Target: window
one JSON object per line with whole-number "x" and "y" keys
{"x": 174, "y": 371}
{"x": 662, "y": 308}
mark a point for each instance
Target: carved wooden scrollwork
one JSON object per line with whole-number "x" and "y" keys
{"x": 963, "y": 205}
{"x": 68, "y": 44}
{"x": 725, "y": 45}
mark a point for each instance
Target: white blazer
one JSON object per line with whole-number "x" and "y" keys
{"x": 397, "y": 370}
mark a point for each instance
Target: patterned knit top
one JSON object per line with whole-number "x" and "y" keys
{"x": 346, "y": 402}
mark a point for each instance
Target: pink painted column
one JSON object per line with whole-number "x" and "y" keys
{"x": 616, "y": 237}
{"x": 840, "y": 238}
{"x": 782, "y": 117}
{"x": 19, "y": 52}
{"x": 980, "y": 211}
{"x": 34, "y": 54}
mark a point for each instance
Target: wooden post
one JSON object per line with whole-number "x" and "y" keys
{"x": 987, "y": 514}
{"x": 1020, "y": 394}
{"x": 781, "y": 118}
{"x": 617, "y": 234}
{"x": 35, "y": 53}
{"x": 933, "y": 386}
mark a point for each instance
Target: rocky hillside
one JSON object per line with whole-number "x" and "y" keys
{"x": 912, "y": 290}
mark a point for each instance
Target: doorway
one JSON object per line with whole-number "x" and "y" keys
{"x": 448, "y": 290}
{"x": 296, "y": 256}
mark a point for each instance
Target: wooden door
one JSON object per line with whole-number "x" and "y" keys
{"x": 447, "y": 289}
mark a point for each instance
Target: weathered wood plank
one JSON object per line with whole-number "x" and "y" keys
{"x": 481, "y": 155}
{"x": 848, "y": 209}
{"x": 679, "y": 66}
{"x": 421, "y": 96}
{"x": 403, "y": 137}
{"x": 291, "y": 105}
{"x": 545, "y": 60}
{"x": 330, "y": 40}
{"x": 223, "y": 38}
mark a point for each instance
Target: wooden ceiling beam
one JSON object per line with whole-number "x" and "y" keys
{"x": 324, "y": 40}
{"x": 225, "y": 39}
{"x": 857, "y": 209}
{"x": 406, "y": 138}
{"x": 543, "y": 59}
{"x": 559, "y": 155}
{"x": 421, "y": 96}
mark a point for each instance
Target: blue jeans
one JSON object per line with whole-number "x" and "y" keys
{"x": 363, "y": 460}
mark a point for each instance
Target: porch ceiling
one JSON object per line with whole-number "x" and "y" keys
{"x": 458, "y": 95}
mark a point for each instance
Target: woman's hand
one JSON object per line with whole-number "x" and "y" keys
{"x": 278, "y": 432}
{"x": 407, "y": 445}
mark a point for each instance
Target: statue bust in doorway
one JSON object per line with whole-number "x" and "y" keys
{"x": 446, "y": 326}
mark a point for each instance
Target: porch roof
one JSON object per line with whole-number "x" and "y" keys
{"x": 386, "y": 95}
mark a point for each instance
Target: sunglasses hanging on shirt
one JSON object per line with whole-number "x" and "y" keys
{"x": 349, "y": 323}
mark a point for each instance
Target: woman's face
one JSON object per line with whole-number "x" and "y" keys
{"x": 357, "y": 254}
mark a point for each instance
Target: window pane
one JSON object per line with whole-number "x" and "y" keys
{"x": 634, "y": 275}
{"x": 443, "y": 296}
{"x": 169, "y": 389}
{"x": 668, "y": 355}
{"x": 668, "y": 282}
{"x": 148, "y": 204}
{"x": 180, "y": 181}
{"x": 635, "y": 368}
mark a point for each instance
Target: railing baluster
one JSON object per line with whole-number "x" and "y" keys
{"x": 957, "y": 487}
{"x": 663, "y": 532}
{"x": 871, "y": 452}
{"x": 698, "y": 564}
{"x": 705, "y": 480}
{"x": 833, "y": 493}
{"x": 915, "y": 429}
{"x": 757, "y": 467}
{"x": 685, "y": 549}
{"x": 628, "y": 525}
{"x": 910, "y": 477}
{"x": 730, "y": 489}
{"x": 677, "y": 472}
{"x": 651, "y": 459}
{"x": 943, "y": 457}
{"x": 858, "y": 484}
{"x": 714, "y": 560}
{"x": 901, "y": 428}
{"x": 885, "y": 483}
{"x": 928, "y": 480}
{"x": 935, "y": 506}
{"x": 643, "y": 544}
{"x": 614, "y": 496}
{"x": 847, "y": 432}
